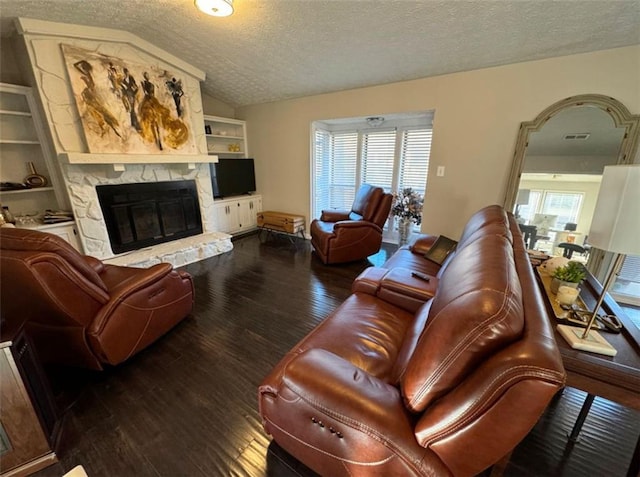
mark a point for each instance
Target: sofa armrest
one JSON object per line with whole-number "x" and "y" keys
{"x": 334, "y": 215}
{"x": 423, "y": 243}
{"x": 327, "y": 402}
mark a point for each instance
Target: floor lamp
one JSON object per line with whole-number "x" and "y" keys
{"x": 615, "y": 227}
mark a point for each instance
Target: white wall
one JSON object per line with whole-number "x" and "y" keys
{"x": 477, "y": 115}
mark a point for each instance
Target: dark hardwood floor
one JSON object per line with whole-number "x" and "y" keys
{"x": 187, "y": 406}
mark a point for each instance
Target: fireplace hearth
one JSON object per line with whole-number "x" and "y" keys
{"x": 140, "y": 215}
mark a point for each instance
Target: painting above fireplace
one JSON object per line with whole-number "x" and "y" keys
{"x": 145, "y": 214}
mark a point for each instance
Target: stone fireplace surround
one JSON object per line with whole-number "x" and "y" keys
{"x": 78, "y": 172}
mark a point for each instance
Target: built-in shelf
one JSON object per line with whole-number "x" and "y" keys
{"x": 222, "y": 136}
{"x": 27, "y": 191}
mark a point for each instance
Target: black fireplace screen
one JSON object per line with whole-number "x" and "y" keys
{"x": 140, "y": 215}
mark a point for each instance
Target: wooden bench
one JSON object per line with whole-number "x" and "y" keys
{"x": 289, "y": 224}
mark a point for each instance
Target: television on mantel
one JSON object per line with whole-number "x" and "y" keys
{"x": 231, "y": 177}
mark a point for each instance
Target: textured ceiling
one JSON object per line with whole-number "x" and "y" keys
{"x": 276, "y": 49}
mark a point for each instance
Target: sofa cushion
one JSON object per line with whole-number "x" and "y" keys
{"x": 365, "y": 331}
{"x": 476, "y": 311}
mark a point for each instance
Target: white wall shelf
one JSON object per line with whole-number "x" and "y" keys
{"x": 221, "y": 133}
{"x": 27, "y": 191}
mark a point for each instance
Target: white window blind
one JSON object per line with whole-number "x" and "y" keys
{"x": 335, "y": 159}
{"x": 378, "y": 158}
{"x": 414, "y": 159}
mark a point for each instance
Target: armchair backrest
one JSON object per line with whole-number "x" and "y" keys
{"x": 46, "y": 280}
{"x": 25, "y": 240}
{"x": 370, "y": 204}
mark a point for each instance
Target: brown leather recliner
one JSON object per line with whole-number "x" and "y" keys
{"x": 81, "y": 311}
{"x": 346, "y": 236}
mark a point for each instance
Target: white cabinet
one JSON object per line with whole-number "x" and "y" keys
{"x": 226, "y": 137}
{"x": 23, "y": 141}
{"x": 237, "y": 215}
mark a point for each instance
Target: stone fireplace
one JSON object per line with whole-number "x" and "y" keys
{"x": 141, "y": 215}
{"x": 80, "y": 174}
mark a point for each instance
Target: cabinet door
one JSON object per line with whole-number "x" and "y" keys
{"x": 249, "y": 209}
{"x": 227, "y": 217}
{"x": 68, "y": 233}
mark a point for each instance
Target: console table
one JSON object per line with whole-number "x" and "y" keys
{"x": 616, "y": 378}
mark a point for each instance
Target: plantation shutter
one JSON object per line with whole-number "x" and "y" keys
{"x": 322, "y": 167}
{"x": 344, "y": 159}
{"x": 415, "y": 150}
{"x": 378, "y": 157}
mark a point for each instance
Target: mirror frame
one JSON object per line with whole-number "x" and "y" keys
{"x": 618, "y": 112}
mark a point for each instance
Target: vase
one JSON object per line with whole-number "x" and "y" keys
{"x": 404, "y": 231}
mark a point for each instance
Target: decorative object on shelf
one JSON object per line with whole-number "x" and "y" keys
{"x": 614, "y": 228}
{"x": 216, "y": 8}
{"x": 569, "y": 275}
{"x": 233, "y": 147}
{"x": 7, "y": 215}
{"x": 127, "y": 107}
{"x": 207, "y": 129}
{"x": 407, "y": 206}
{"x": 57, "y": 216}
{"x": 34, "y": 179}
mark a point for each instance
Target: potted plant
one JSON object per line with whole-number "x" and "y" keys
{"x": 570, "y": 275}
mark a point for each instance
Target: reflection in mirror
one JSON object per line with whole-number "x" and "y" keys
{"x": 558, "y": 163}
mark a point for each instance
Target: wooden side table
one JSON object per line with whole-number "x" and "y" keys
{"x": 29, "y": 418}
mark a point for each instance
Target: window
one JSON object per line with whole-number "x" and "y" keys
{"x": 565, "y": 205}
{"x": 346, "y": 155}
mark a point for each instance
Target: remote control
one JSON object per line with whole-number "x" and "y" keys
{"x": 421, "y": 276}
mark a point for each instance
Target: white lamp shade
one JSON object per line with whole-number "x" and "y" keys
{"x": 615, "y": 226}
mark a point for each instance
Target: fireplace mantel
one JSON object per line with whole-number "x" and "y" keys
{"x": 90, "y": 158}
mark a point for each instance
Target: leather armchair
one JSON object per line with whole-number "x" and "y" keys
{"x": 346, "y": 236}
{"x": 81, "y": 311}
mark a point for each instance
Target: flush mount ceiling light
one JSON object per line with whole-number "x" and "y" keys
{"x": 375, "y": 121}
{"x": 217, "y": 8}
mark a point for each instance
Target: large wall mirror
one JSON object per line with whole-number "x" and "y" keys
{"x": 558, "y": 164}
{"x": 560, "y": 157}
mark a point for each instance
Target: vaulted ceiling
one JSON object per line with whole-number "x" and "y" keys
{"x": 270, "y": 50}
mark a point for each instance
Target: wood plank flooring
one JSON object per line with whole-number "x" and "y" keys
{"x": 187, "y": 406}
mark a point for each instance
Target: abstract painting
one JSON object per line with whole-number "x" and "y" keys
{"x": 127, "y": 107}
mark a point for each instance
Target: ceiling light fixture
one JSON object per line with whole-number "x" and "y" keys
{"x": 217, "y": 8}
{"x": 375, "y": 121}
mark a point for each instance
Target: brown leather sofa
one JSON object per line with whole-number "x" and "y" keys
{"x": 346, "y": 236}
{"x": 445, "y": 390}
{"x": 81, "y": 311}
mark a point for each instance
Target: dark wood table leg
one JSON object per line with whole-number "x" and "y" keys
{"x": 586, "y": 406}
{"x": 634, "y": 467}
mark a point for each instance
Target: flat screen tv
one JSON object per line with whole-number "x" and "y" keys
{"x": 233, "y": 177}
